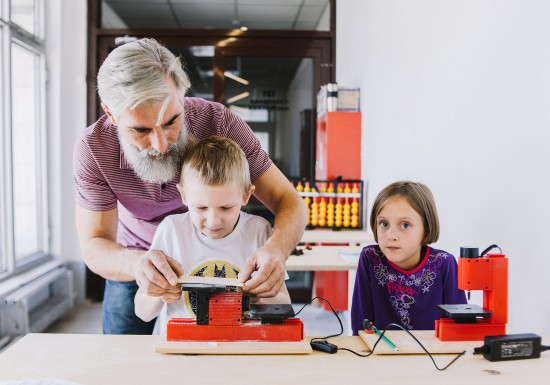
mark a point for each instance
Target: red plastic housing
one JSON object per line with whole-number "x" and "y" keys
{"x": 225, "y": 308}
{"x": 225, "y": 324}
{"x": 490, "y": 274}
{"x": 186, "y": 329}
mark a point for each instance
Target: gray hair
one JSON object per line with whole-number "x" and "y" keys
{"x": 136, "y": 73}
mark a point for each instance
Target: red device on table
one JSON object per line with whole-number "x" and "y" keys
{"x": 487, "y": 272}
{"x": 221, "y": 312}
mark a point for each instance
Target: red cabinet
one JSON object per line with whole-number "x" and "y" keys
{"x": 338, "y": 153}
{"x": 338, "y": 148}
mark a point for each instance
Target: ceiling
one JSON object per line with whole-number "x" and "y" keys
{"x": 269, "y": 72}
{"x": 215, "y": 14}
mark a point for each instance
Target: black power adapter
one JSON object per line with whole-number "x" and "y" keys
{"x": 324, "y": 346}
{"x": 511, "y": 347}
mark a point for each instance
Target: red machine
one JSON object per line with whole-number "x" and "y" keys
{"x": 471, "y": 322}
{"x": 221, "y": 313}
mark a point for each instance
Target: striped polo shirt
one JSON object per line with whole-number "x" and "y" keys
{"x": 105, "y": 180}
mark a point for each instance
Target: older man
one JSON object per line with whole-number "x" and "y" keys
{"x": 126, "y": 166}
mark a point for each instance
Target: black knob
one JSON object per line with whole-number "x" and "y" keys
{"x": 469, "y": 252}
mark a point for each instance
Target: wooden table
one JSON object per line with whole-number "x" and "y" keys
{"x": 323, "y": 258}
{"x": 330, "y": 283}
{"x": 109, "y": 359}
{"x": 328, "y": 258}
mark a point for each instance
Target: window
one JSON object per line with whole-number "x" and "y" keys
{"x": 23, "y": 198}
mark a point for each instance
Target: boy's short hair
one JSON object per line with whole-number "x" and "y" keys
{"x": 217, "y": 161}
{"x": 421, "y": 200}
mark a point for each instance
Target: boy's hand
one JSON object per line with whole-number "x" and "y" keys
{"x": 157, "y": 275}
{"x": 172, "y": 295}
{"x": 263, "y": 273}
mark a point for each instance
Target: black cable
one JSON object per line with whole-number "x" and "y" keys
{"x": 333, "y": 311}
{"x": 420, "y": 344}
{"x": 493, "y": 246}
{"x": 380, "y": 337}
{"x": 333, "y": 335}
{"x": 544, "y": 347}
{"x": 357, "y": 354}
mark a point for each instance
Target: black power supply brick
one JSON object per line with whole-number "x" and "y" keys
{"x": 511, "y": 347}
{"x": 324, "y": 346}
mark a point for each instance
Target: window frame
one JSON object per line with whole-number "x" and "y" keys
{"x": 11, "y": 34}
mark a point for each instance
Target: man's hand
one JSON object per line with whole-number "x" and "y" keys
{"x": 263, "y": 273}
{"x": 157, "y": 275}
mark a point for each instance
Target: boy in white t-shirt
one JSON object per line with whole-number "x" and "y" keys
{"x": 214, "y": 237}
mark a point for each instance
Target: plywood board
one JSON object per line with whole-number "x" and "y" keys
{"x": 237, "y": 347}
{"x": 210, "y": 280}
{"x": 407, "y": 345}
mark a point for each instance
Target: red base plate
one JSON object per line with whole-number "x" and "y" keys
{"x": 186, "y": 329}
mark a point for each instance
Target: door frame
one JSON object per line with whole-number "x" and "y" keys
{"x": 318, "y": 45}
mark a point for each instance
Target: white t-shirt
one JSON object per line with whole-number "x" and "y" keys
{"x": 199, "y": 255}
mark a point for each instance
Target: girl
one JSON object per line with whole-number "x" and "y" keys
{"x": 402, "y": 279}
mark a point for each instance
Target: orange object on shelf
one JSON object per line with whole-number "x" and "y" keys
{"x": 338, "y": 149}
{"x": 338, "y": 153}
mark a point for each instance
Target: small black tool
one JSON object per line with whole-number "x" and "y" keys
{"x": 324, "y": 346}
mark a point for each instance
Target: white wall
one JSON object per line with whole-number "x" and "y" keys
{"x": 66, "y": 47}
{"x": 456, "y": 94}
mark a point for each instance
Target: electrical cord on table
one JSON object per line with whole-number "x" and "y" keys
{"x": 380, "y": 337}
{"x": 419, "y": 343}
{"x": 333, "y": 311}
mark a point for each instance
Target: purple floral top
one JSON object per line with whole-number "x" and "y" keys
{"x": 385, "y": 293}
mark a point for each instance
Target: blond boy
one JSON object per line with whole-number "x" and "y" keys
{"x": 214, "y": 237}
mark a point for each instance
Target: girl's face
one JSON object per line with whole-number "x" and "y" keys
{"x": 400, "y": 231}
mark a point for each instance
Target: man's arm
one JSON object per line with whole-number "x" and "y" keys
{"x": 268, "y": 263}
{"x": 152, "y": 269}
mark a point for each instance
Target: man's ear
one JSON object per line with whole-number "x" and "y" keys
{"x": 109, "y": 113}
{"x": 249, "y": 194}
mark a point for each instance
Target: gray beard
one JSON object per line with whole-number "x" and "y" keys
{"x": 151, "y": 165}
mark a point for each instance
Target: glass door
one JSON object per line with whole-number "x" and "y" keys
{"x": 270, "y": 94}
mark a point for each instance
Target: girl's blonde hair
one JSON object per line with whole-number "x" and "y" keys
{"x": 217, "y": 161}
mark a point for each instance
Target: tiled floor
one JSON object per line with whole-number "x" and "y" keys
{"x": 83, "y": 319}
{"x": 86, "y": 319}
